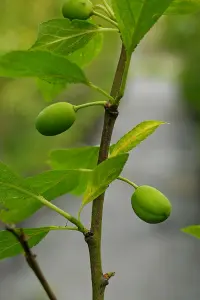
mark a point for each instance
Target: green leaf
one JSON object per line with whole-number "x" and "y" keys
{"x": 193, "y": 230}
{"x": 9, "y": 246}
{"x": 75, "y": 158}
{"x": 136, "y": 17}
{"x": 11, "y": 195}
{"x": 84, "y": 56}
{"x": 50, "y": 91}
{"x": 102, "y": 176}
{"x": 41, "y": 64}
{"x": 179, "y": 7}
{"x": 63, "y": 36}
{"x": 20, "y": 198}
{"x": 135, "y": 137}
{"x": 52, "y": 184}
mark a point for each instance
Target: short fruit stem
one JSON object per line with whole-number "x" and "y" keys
{"x": 95, "y": 13}
{"x": 128, "y": 181}
{"x": 99, "y": 103}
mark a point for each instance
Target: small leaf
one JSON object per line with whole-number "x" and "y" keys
{"x": 11, "y": 195}
{"x": 9, "y": 246}
{"x": 75, "y": 158}
{"x": 136, "y": 17}
{"x": 102, "y": 176}
{"x": 50, "y": 91}
{"x": 20, "y": 198}
{"x": 135, "y": 137}
{"x": 62, "y": 36}
{"x": 179, "y": 7}
{"x": 41, "y": 64}
{"x": 193, "y": 230}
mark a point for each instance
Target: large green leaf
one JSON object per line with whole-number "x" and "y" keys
{"x": 75, "y": 158}
{"x": 79, "y": 41}
{"x": 81, "y": 57}
{"x": 63, "y": 36}
{"x": 136, "y": 17}
{"x": 102, "y": 176}
{"x": 193, "y": 230}
{"x": 9, "y": 246}
{"x": 41, "y": 64}
{"x": 84, "y": 56}
{"x": 20, "y": 198}
{"x": 178, "y": 7}
{"x": 52, "y": 184}
{"x": 10, "y": 193}
{"x": 48, "y": 90}
{"x": 135, "y": 137}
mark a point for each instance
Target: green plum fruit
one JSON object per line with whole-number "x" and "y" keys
{"x": 55, "y": 119}
{"x": 150, "y": 205}
{"x": 77, "y": 9}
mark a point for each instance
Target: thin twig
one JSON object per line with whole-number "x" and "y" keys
{"x": 31, "y": 260}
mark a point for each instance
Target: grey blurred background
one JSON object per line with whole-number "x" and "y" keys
{"x": 154, "y": 262}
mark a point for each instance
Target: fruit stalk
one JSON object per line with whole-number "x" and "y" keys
{"x": 128, "y": 181}
{"x": 94, "y": 238}
{"x": 99, "y": 103}
{"x": 95, "y": 13}
{"x": 109, "y": 9}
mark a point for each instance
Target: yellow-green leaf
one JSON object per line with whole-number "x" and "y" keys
{"x": 193, "y": 230}
{"x": 135, "y": 137}
{"x": 102, "y": 176}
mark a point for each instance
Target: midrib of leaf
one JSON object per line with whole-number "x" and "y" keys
{"x": 70, "y": 37}
{"x": 137, "y": 23}
{"x": 73, "y": 36}
{"x": 41, "y": 199}
{"x": 20, "y": 189}
{"x": 134, "y": 138}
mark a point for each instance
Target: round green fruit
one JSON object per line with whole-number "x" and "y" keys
{"x": 55, "y": 119}
{"x": 150, "y": 205}
{"x": 77, "y": 9}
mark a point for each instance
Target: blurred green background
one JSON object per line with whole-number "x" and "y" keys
{"x": 22, "y": 147}
{"x": 181, "y": 37}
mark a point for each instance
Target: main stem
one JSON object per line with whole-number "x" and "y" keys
{"x": 94, "y": 238}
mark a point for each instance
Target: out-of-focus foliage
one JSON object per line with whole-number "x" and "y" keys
{"x": 182, "y": 37}
{"x": 20, "y": 100}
